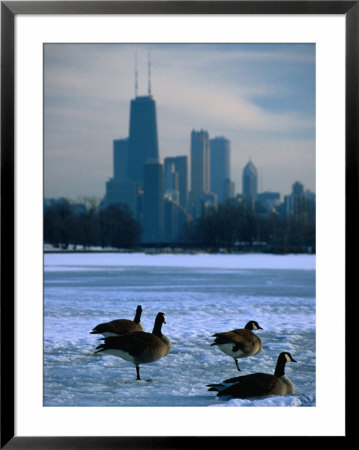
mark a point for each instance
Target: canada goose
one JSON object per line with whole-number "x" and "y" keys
{"x": 239, "y": 343}
{"x": 120, "y": 326}
{"x": 258, "y": 384}
{"x": 139, "y": 347}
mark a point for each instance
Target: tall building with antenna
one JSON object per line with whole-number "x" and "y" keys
{"x": 143, "y": 139}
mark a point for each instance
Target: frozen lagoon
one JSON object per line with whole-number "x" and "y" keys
{"x": 200, "y": 294}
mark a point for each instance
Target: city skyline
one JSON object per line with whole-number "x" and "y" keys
{"x": 259, "y": 97}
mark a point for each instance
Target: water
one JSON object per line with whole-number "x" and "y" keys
{"x": 201, "y": 295}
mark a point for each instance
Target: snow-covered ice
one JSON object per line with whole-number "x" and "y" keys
{"x": 201, "y": 294}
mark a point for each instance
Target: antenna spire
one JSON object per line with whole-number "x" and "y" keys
{"x": 149, "y": 73}
{"x": 136, "y": 76}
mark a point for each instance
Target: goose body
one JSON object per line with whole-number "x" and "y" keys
{"x": 120, "y": 326}
{"x": 258, "y": 384}
{"x": 239, "y": 343}
{"x": 139, "y": 347}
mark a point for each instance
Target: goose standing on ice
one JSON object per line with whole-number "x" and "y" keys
{"x": 139, "y": 347}
{"x": 258, "y": 384}
{"x": 239, "y": 343}
{"x": 120, "y": 326}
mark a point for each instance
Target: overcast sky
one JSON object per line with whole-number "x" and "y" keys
{"x": 260, "y": 97}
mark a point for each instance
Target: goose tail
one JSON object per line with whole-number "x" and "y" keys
{"x": 100, "y": 348}
{"x": 215, "y": 387}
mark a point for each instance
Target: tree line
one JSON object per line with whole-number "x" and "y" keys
{"x": 66, "y": 223}
{"x": 232, "y": 225}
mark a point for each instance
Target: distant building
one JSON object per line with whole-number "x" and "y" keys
{"x": 269, "y": 201}
{"x": 120, "y": 159}
{"x": 298, "y": 189}
{"x": 209, "y": 200}
{"x": 175, "y": 220}
{"x": 199, "y": 164}
{"x": 176, "y": 179}
{"x": 49, "y": 203}
{"x": 200, "y": 175}
{"x": 300, "y": 204}
{"x": 123, "y": 193}
{"x": 181, "y": 166}
{"x": 220, "y": 167}
{"x": 170, "y": 178}
{"x": 250, "y": 182}
{"x": 120, "y": 190}
{"x": 143, "y": 140}
{"x": 229, "y": 190}
{"x": 153, "y": 219}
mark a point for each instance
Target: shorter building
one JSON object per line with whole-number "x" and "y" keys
{"x": 299, "y": 205}
{"x": 250, "y": 182}
{"x": 268, "y": 201}
{"x": 125, "y": 193}
{"x": 120, "y": 159}
{"x": 229, "y": 190}
{"x": 176, "y": 220}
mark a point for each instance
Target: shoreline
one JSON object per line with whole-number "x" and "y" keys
{"x": 179, "y": 251}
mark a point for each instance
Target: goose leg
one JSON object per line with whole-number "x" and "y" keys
{"x": 138, "y": 372}
{"x": 236, "y": 361}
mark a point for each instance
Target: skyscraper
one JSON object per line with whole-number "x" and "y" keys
{"x": 176, "y": 177}
{"x": 143, "y": 140}
{"x": 250, "y": 182}
{"x": 296, "y": 204}
{"x": 181, "y": 165}
{"x": 171, "y": 180}
{"x": 153, "y": 202}
{"x": 219, "y": 166}
{"x": 120, "y": 159}
{"x": 229, "y": 190}
{"x": 199, "y": 165}
{"x": 119, "y": 189}
{"x": 123, "y": 193}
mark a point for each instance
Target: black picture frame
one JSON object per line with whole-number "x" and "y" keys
{"x": 9, "y": 10}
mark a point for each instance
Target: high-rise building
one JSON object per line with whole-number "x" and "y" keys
{"x": 181, "y": 165}
{"x": 120, "y": 159}
{"x": 250, "y": 182}
{"x": 176, "y": 178}
{"x": 300, "y": 204}
{"x": 170, "y": 179}
{"x": 229, "y": 190}
{"x": 176, "y": 220}
{"x": 143, "y": 140}
{"x": 219, "y": 166}
{"x": 153, "y": 202}
{"x": 125, "y": 194}
{"x": 120, "y": 190}
{"x": 199, "y": 165}
{"x": 268, "y": 201}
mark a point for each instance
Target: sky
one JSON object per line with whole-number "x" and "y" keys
{"x": 259, "y": 96}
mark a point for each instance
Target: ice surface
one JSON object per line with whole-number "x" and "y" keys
{"x": 201, "y": 294}
{"x": 61, "y": 261}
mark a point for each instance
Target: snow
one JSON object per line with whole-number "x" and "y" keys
{"x": 201, "y": 294}
{"x": 61, "y": 261}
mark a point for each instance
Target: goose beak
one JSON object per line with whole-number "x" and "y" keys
{"x": 293, "y": 360}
